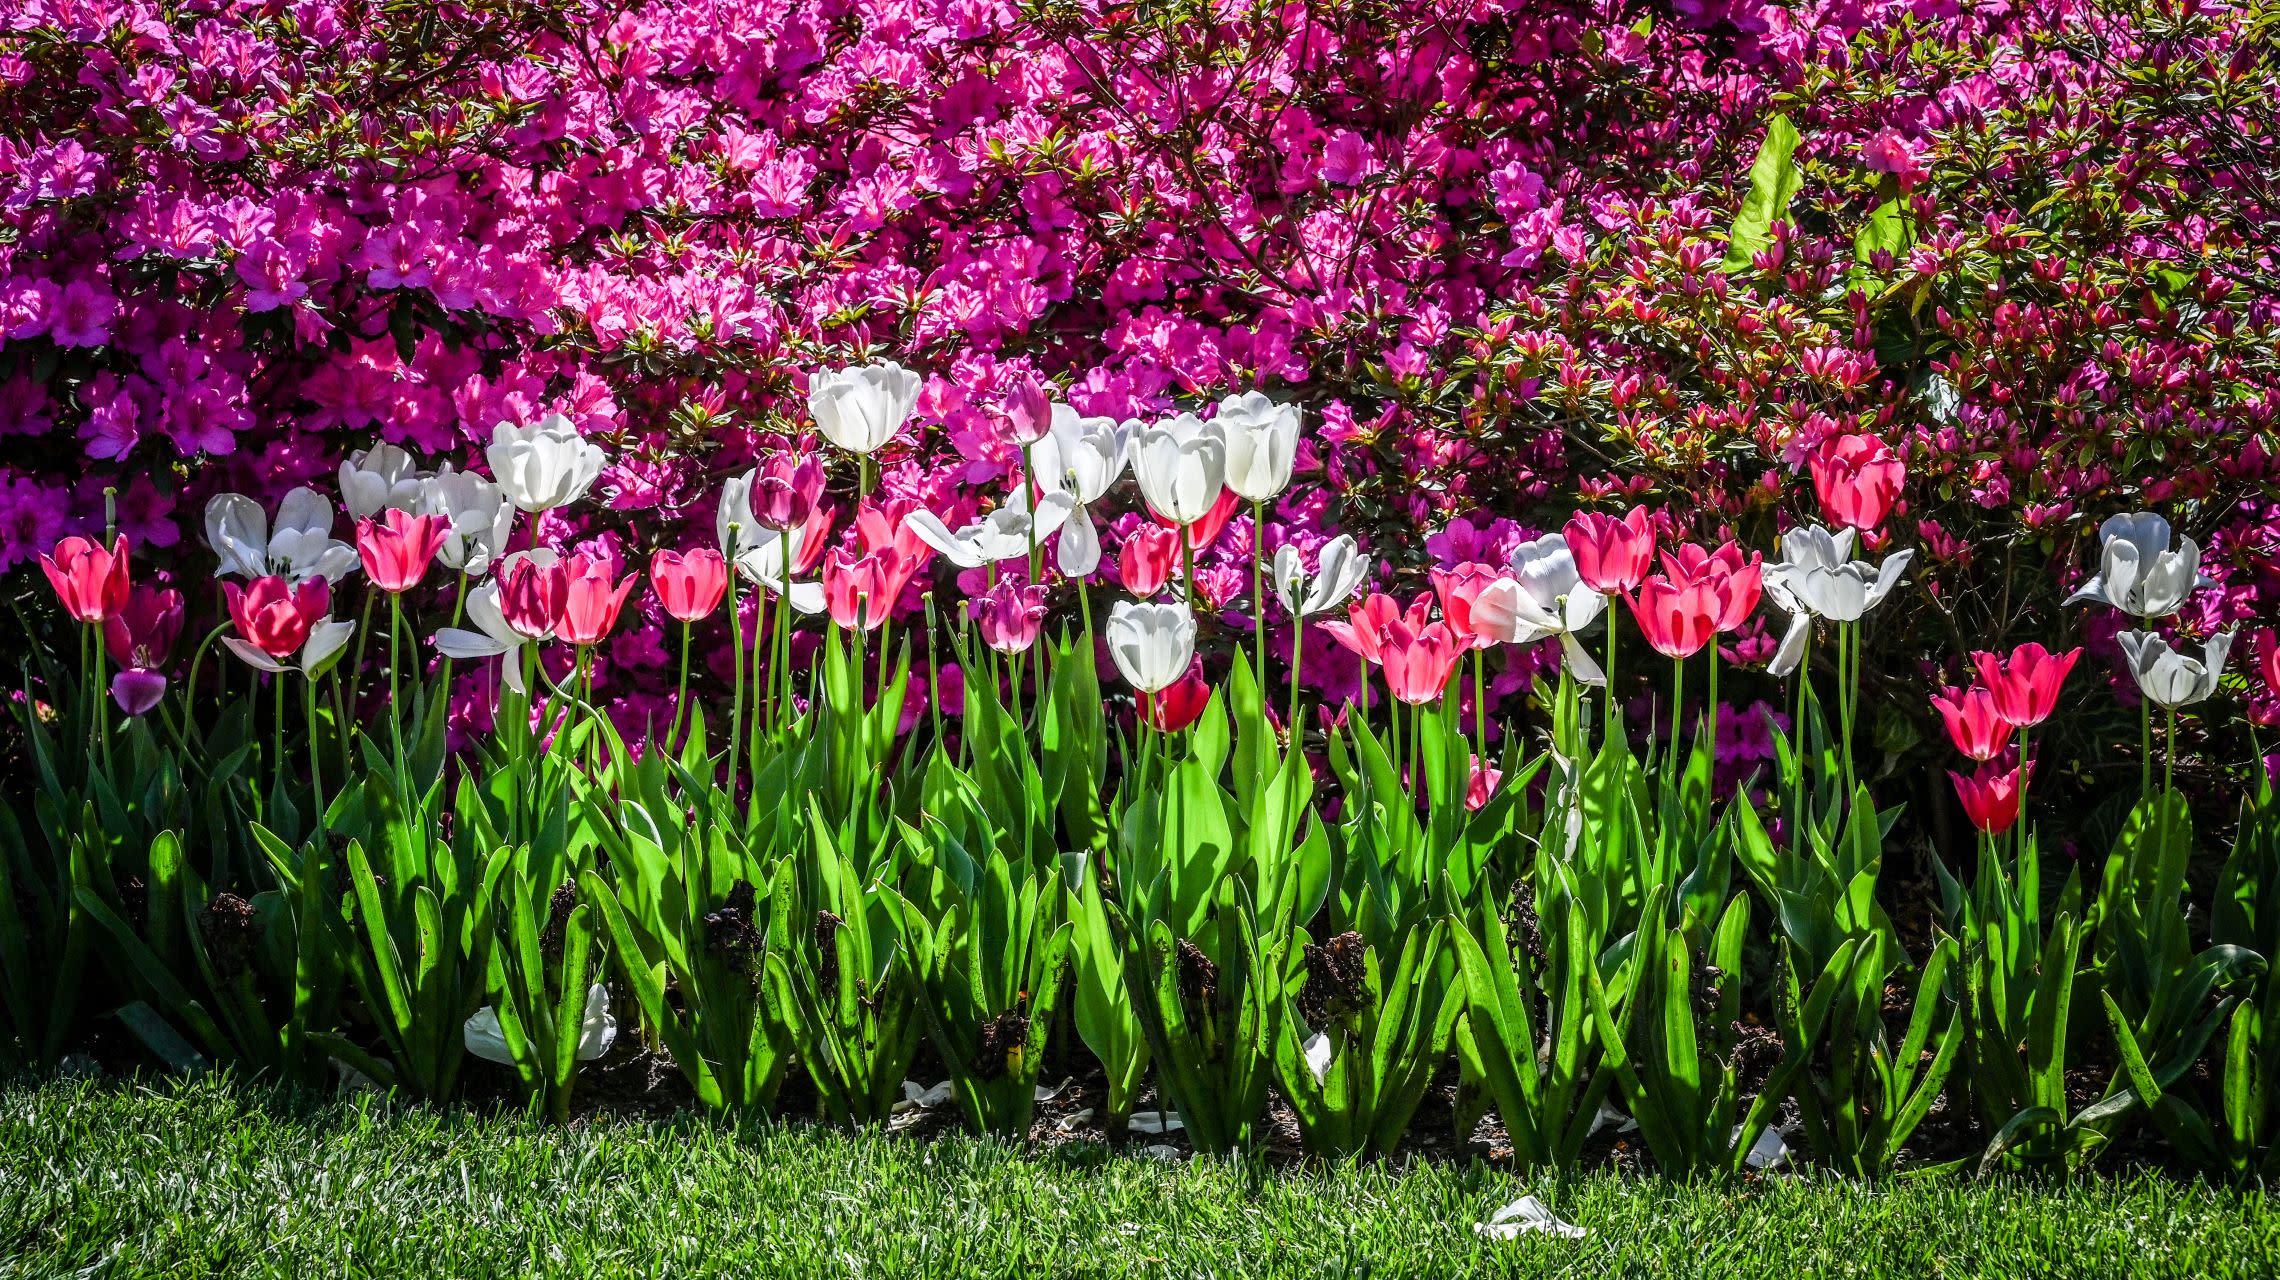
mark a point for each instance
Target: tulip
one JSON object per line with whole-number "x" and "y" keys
{"x": 478, "y": 519}
{"x": 1151, "y": 644}
{"x": 1009, "y": 616}
{"x": 1990, "y": 795}
{"x": 533, "y": 586}
{"x": 1369, "y": 621}
{"x": 590, "y": 601}
{"x": 493, "y": 635}
{"x": 1544, "y": 597}
{"x": 1025, "y": 412}
{"x": 1857, "y": 478}
{"x": 90, "y": 581}
{"x": 1004, "y": 534}
{"x": 1179, "y": 704}
{"x": 1419, "y": 662}
{"x": 1457, "y": 589}
{"x": 299, "y": 548}
{"x": 860, "y": 409}
{"x": 1339, "y": 569}
{"x": 2270, "y": 665}
{"x": 275, "y": 617}
{"x": 1973, "y": 723}
{"x": 1146, "y": 560}
{"x": 785, "y": 492}
{"x": 2138, "y": 573}
{"x": 760, "y": 555}
{"x": 2169, "y": 678}
{"x": 1677, "y": 619}
{"x": 689, "y": 585}
{"x": 544, "y": 465}
{"x": 597, "y": 1030}
{"x": 1611, "y": 556}
{"x": 397, "y": 548}
{"x": 860, "y": 591}
{"x": 137, "y": 689}
{"x": 1261, "y": 439}
{"x": 2025, "y": 685}
{"x": 142, "y": 633}
{"x": 1081, "y": 457}
{"x": 380, "y": 478}
{"x": 1818, "y": 578}
{"x": 1737, "y": 583}
{"x": 1482, "y": 784}
{"x": 1181, "y": 464}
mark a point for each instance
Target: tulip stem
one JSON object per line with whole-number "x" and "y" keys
{"x": 2145, "y": 746}
{"x": 1608, "y": 733}
{"x": 1677, "y": 708}
{"x": 355, "y": 678}
{"x": 934, "y": 672}
{"x": 277, "y": 750}
{"x": 1797, "y": 754}
{"x": 680, "y": 693}
{"x": 316, "y": 761}
{"x": 395, "y": 717}
{"x": 2024, "y": 777}
{"x": 1297, "y": 648}
{"x": 190, "y": 686}
{"x": 2169, "y": 752}
{"x": 1259, "y": 600}
{"x": 736, "y": 705}
{"x": 1480, "y": 709}
{"x": 97, "y": 711}
{"x": 783, "y": 635}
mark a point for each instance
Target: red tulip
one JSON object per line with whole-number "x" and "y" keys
{"x": 1419, "y": 661}
{"x": 1990, "y": 795}
{"x": 274, "y": 616}
{"x": 1009, "y": 615}
{"x": 689, "y": 584}
{"x": 590, "y": 601}
{"x": 1179, "y": 705}
{"x": 91, "y": 582}
{"x": 1611, "y": 555}
{"x": 1678, "y": 619}
{"x": 1973, "y": 724}
{"x": 1206, "y": 530}
{"x": 1857, "y": 478}
{"x": 860, "y": 591}
{"x": 397, "y": 548}
{"x": 1737, "y": 583}
{"x": 1369, "y": 620}
{"x": 1144, "y": 563}
{"x": 531, "y": 594}
{"x": 1458, "y": 588}
{"x": 785, "y": 492}
{"x": 2026, "y": 684}
{"x": 143, "y": 632}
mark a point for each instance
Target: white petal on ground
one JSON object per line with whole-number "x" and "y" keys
{"x": 1070, "y": 1121}
{"x": 1164, "y": 1152}
{"x": 1524, "y": 1215}
{"x": 1770, "y": 1151}
{"x": 917, "y": 1099}
{"x": 601, "y": 1027}
{"x": 1156, "y": 1122}
{"x": 484, "y": 1038}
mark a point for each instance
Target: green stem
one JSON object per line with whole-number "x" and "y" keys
{"x": 2145, "y": 746}
{"x": 190, "y": 686}
{"x": 1713, "y": 712}
{"x": 736, "y": 652}
{"x": 1677, "y": 703}
{"x": 783, "y": 636}
{"x": 2169, "y": 752}
{"x": 316, "y": 755}
{"x": 1797, "y": 744}
{"x": 99, "y": 706}
{"x": 1259, "y": 599}
{"x": 680, "y": 694}
{"x": 1612, "y": 722}
{"x": 1297, "y": 649}
{"x": 395, "y": 718}
{"x": 1480, "y": 707}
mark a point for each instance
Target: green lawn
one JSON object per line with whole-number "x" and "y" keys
{"x": 212, "y": 1178}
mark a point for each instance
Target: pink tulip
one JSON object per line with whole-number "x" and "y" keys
{"x": 689, "y": 584}
{"x": 531, "y": 596}
{"x": 590, "y": 601}
{"x": 1370, "y": 619}
{"x": 785, "y": 492}
{"x": 1677, "y": 619}
{"x": 91, "y": 582}
{"x": 142, "y": 634}
{"x": 1180, "y": 704}
{"x": 1009, "y": 615}
{"x": 1973, "y": 723}
{"x": 1458, "y": 588}
{"x": 1611, "y": 555}
{"x": 274, "y": 616}
{"x": 1857, "y": 478}
{"x": 1145, "y": 561}
{"x": 2026, "y": 684}
{"x": 397, "y": 548}
{"x": 1990, "y": 795}
{"x": 860, "y": 591}
{"x": 1737, "y": 583}
{"x": 1418, "y": 662}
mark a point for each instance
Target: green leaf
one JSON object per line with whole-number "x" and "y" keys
{"x": 1774, "y": 181}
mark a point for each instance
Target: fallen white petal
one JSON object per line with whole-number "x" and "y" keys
{"x": 1610, "y": 1116}
{"x": 1160, "y": 1151}
{"x": 1157, "y": 1122}
{"x": 1524, "y": 1215}
{"x": 1073, "y": 1119}
{"x": 484, "y": 1038}
{"x": 917, "y": 1099}
{"x": 1770, "y": 1151}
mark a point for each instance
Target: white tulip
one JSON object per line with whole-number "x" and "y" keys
{"x": 1182, "y": 466}
{"x": 860, "y": 409}
{"x": 491, "y": 638}
{"x": 379, "y": 478}
{"x": 2137, "y": 571}
{"x": 1262, "y": 444}
{"x": 1544, "y": 598}
{"x": 1817, "y": 577}
{"x": 299, "y": 548}
{"x": 1004, "y": 534}
{"x": 317, "y": 652}
{"x": 480, "y": 517}
{"x": 1081, "y": 457}
{"x": 597, "y": 1032}
{"x": 1339, "y": 569}
{"x": 1151, "y": 644}
{"x": 2168, "y": 677}
{"x": 544, "y": 465}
